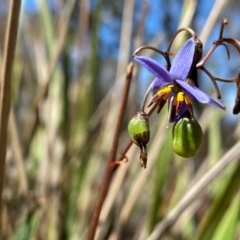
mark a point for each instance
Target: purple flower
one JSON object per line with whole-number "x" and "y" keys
{"x": 173, "y": 86}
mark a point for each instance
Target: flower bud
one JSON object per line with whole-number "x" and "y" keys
{"x": 187, "y": 137}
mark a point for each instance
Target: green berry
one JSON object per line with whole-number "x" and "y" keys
{"x": 138, "y": 129}
{"x": 187, "y": 137}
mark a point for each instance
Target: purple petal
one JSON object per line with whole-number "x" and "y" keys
{"x": 183, "y": 60}
{"x": 155, "y": 68}
{"x": 198, "y": 94}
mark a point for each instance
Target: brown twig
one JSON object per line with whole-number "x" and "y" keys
{"x": 5, "y": 94}
{"x": 112, "y": 156}
{"x": 164, "y": 54}
{"x": 112, "y": 167}
{"x": 189, "y": 30}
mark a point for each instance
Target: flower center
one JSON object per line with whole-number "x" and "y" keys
{"x": 179, "y": 101}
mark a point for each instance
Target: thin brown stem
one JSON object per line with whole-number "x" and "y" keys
{"x": 138, "y": 50}
{"x": 145, "y": 98}
{"x": 224, "y": 22}
{"x": 164, "y": 54}
{"x": 217, "y": 43}
{"x": 177, "y": 32}
{"x": 112, "y": 156}
{"x": 226, "y": 80}
{"x": 209, "y": 53}
{"x": 5, "y": 94}
{"x": 213, "y": 81}
{"x": 227, "y": 50}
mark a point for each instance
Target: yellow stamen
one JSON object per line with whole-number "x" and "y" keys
{"x": 180, "y": 97}
{"x": 166, "y": 91}
{"x": 188, "y": 101}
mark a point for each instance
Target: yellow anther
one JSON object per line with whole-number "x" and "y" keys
{"x": 188, "y": 101}
{"x": 166, "y": 91}
{"x": 180, "y": 97}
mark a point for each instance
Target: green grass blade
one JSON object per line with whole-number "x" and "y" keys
{"x": 219, "y": 206}
{"x": 227, "y": 227}
{"x": 161, "y": 173}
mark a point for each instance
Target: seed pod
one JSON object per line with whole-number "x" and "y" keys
{"x": 187, "y": 137}
{"x": 138, "y": 129}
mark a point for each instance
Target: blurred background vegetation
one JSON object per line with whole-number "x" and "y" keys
{"x": 68, "y": 75}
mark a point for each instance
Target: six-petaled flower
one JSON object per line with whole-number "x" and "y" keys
{"x": 173, "y": 85}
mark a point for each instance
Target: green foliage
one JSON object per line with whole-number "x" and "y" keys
{"x": 228, "y": 225}
{"x": 158, "y": 204}
{"x": 28, "y": 228}
{"x": 219, "y": 207}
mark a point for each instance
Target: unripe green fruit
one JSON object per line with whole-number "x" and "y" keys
{"x": 138, "y": 129}
{"x": 187, "y": 137}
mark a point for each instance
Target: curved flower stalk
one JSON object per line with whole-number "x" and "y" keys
{"x": 174, "y": 85}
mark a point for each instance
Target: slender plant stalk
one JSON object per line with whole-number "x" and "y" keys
{"x": 5, "y": 92}
{"x": 112, "y": 157}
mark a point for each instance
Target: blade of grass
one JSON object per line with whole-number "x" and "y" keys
{"x": 28, "y": 228}
{"x": 231, "y": 157}
{"x": 212, "y": 18}
{"x": 5, "y": 94}
{"x": 161, "y": 173}
{"x": 227, "y": 227}
{"x": 220, "y": 205}
{"x": 31, "y": 119}
{"x": 215, "y": 138}
{"x": 17, "y": 153}
{"x": 47, "y": 20}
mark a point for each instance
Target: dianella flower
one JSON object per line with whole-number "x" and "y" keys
{"x": 174, "y": 85}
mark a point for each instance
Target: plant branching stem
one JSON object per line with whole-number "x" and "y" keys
{"x": 110, "y": 169}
